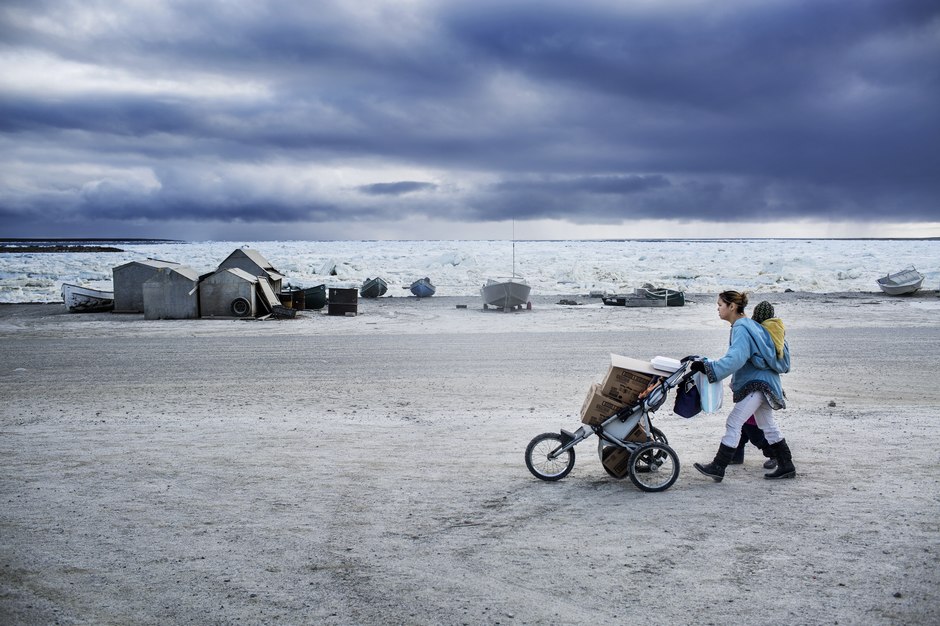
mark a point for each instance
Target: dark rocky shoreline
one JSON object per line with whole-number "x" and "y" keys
{"x": 56, "y": 248}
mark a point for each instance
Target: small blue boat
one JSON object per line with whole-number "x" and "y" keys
{"x": 423, "y": 288}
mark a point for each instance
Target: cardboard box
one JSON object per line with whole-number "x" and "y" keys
{"x": 624, "y": 385}
{"x": 638, "y": 434}
{"x": 597, "y": 407}
{"x": 616, "y": 461}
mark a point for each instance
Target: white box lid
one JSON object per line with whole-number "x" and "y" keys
{"x": 666, "y": 363}
{"x": 636, "y": 365}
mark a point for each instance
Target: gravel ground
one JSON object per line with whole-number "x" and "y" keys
{"x": 370, "y": 470}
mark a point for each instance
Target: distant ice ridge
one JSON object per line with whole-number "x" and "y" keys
{"x": 459, "y": 268}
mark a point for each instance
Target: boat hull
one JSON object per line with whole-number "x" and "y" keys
{"x": 634, "y": 301}
{"x": 671, "y": 296}
{"x": 901, "y": 283}
{"x": 80, "y": 299}
{"x": 505, "y": 294}
{"x": 315, "y": 297}
{"x": 373, "y": 288}
{"x": 648, "y": 297}
{"x": 423, "y": 288}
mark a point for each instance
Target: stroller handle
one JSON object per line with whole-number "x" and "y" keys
{"x": 656, "y": 397}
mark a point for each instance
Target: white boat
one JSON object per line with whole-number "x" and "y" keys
{"x": 901, "y": 283}
{"x": 80, "y": 299}
{"x": 505, "y": 293}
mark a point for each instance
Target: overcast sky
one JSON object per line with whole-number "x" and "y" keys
{"x": 244, "y": 119}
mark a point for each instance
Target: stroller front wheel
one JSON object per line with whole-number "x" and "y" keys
{"x": 537, "y": 457}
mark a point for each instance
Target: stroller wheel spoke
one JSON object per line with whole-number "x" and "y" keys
{"x": 538, "y": 457}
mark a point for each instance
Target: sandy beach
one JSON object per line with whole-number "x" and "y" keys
{"x": 369, "y": 470}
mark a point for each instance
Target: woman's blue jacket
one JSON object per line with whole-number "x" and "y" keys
{"x": 752, "y": 363}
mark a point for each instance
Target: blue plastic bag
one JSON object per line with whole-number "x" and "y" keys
{"x": 709, "y": 393}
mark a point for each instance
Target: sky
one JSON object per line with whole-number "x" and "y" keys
{"x": 482, "y": 119}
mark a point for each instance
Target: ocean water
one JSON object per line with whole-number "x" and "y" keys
{"x": 459, "y": 268}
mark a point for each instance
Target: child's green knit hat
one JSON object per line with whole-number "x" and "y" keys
{"x": 763, "y": 312}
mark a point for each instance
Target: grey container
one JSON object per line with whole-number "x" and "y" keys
{"x": 129, "y": 282}
{"x": 172, "y": 294}
{"x": 228, "y": 293}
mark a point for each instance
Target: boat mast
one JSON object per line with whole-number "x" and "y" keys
{"x": 514, "y": 248}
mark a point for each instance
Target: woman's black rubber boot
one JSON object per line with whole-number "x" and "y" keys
{"x": 738, "y": 457}
{"x": 785, "y": 468}
{"x": 716, "y": 469}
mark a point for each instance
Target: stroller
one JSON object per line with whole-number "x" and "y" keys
{"x": 627, "y": 443}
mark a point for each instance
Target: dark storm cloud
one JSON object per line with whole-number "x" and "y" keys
{"x": 396, "y": 189}
{"x": 588, "y": 184}
{"x": 593, "y": 113}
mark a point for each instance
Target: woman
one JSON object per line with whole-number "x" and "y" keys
{"x": 755, "y": 366}
{"x": 764, "y": 315}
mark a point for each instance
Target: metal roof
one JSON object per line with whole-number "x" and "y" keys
{"x": 257, "y": 258}
{"x": 237, "y": 272}
{"x": 182, "y": 270}
{"x": 157, "y": 263}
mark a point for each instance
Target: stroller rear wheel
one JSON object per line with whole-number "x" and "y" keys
{"x": 654, "y": 466}
{"x": 538, "y": 461}
{"x": 658, "y": 435}
{"x": 619, "y": 472}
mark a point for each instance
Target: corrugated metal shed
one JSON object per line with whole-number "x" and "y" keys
{"x": 129, "y": 282}
{"x": 255, "y": 264}
{"x": 228, "y": 293}
{"x": 172, "y": 294}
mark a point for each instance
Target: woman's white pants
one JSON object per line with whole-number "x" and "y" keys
{"x": 753, "y": 404}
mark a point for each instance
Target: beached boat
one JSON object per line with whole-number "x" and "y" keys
{"x": 373, "y": 288}
{"x": 423, "y": 288}
{"x": 671, "y": 296}
{"x": 315, "y": 297}
{"x": 633, "y": 300}
{"x": 505, "y": 293}
{"x": 902, "y": 283}
{"x": 647, "y": 296}
{"x": 80, "y": 299}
